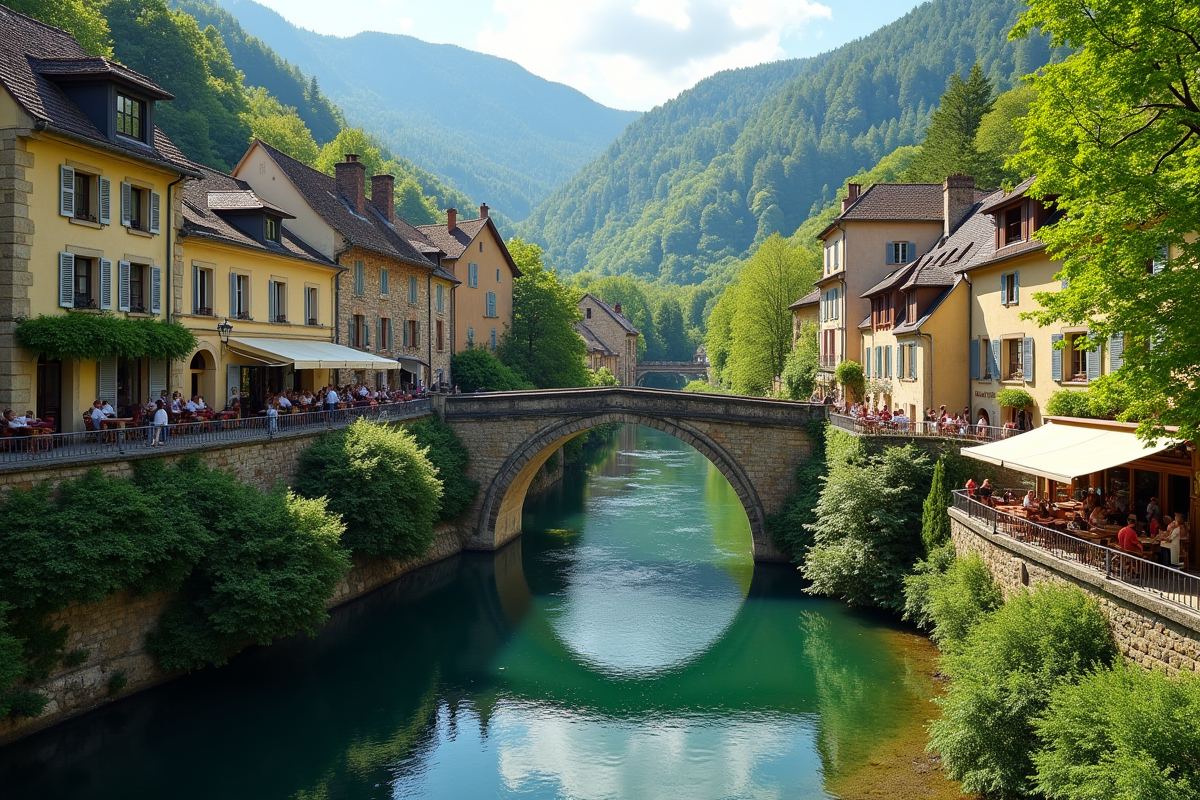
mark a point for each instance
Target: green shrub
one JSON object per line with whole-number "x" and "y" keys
{"x": 75, "y": 658}
{"x": 1069, "y": 403}
{"x": 1014, "y": 398}
{"x": 960, "y": 599}
{"x": 918, "y": 584}
{"x": 935, "y": 522}
{"x": 800, "y": 368}
{"x": 90, "y": 337}
{"x": 380, "y": 482}
{"x": 1121, "y": 734}
{"x": 789, "y": 528}
{"x": 867, "y": 528}
{"x": 449, "y": 457}
{"x": 116, "y": 682}
{"x": 1002, "y": 680}
{"x": 850, "y": 375}
{"x": 704, "y": 387}
{"x": 476, "y": 369}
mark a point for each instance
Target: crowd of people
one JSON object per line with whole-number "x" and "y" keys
{"x": 935, "y": 420}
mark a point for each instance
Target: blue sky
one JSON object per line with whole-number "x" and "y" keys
{"x": 631, "y": 54}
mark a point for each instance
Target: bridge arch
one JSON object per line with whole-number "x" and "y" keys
{"x": 499, "y": 518}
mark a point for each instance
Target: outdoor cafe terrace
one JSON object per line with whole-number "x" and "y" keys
{"x": 870, "y": 426}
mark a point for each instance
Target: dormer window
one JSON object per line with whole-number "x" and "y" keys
{"x": 131, "y": 115}
{"x": 271, "y": 229}
{"x": 1012, "y": 226}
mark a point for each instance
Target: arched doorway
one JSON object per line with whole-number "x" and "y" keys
{"x": 202, "y": 381}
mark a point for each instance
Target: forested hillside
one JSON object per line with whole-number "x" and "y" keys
{"x": 695, "y": 184}
{"x": 500, "y": 133}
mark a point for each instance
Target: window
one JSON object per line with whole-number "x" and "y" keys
{"x": 83, "y": 197}
{"x": 985, "y": 353}
{"x": 202, "y": 289}
{"x": 490, "y": 310}
{"x": 360, "y": 278}
{"x": 497, "y": 274}
{"x": 900, "y": 252}
{"x": 1076, "y": 357}
{"x": 1013, "y": 363}
{"x": 887, "y": 361}
{"x": 412, "y": 290}
{"x": 140, "y": 208}
{"x": 383, "y": 281}
{"x": 277, "y": 301}
{"x": 137, "y": 288}
{"x": 385, "y": 334}
{"x": 271, "y": 229}
{"x": 131, "y": 114}
{"x": 414, "y": 333}
{"x": 1012, "y": 226}
{"x": 135, "y": 209}
{"x": 470, "y": 336}
{"x": 910, "y": 302}
{"x": 239, "y": 296}
{"x": 472, "y": 275}
{"x": 358, "y": 331}
{"x": 1162, "y": 254}
{"x": 493, "y": 338}
{"x": 83, "y": 283}
{"x": 312, "y": 305}
{"x": 441, "y": 299}
{"x": 587, "y": 312}
{"x": 1010, "y": 288}
{"x": 912, "y": 362}
{"x": 441, "y": 334}
{"x": 481, "y": 246}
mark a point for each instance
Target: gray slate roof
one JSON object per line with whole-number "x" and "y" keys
{"x": 594, "y": 345}
{"x": 31, "y": 52}
{"x": 810, "y": 299}
{"x": 612, "y": 312}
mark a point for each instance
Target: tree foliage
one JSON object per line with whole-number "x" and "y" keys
{"x": 1114, "y": 135}
{"x": 95, "y": 336}
{"x": 83, "y": 19}
{"x": 949, "y": 147}
{"x": 279, "y": 126}
{"x": 476, "y": 369}
{"x": 800, "y": 369}
{"x": 449, "y": 457}
{"x": 381, "y": 483}
{"x": 999, "y": 137}
{"x": 935, "y": 521}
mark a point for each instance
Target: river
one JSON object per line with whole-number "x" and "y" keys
{"x": 625, "y": 647}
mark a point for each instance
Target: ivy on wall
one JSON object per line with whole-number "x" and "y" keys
{"x": 91, "y": 337}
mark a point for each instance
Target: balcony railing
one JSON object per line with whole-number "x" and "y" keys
{"x": 29, "y": 446}
{"x": 1168, "y": 583}
{"x": 969, "y": 433}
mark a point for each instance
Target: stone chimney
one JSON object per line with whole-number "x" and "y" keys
{"x": 351, "y": 176}
{"x": 958, "y": 198}
{"x": 383, "y": 195}
{"x": 451, "y": 219}
{"x": 483, "y": 211}
{"x": 851, "y": 198}
{"x": 617, "y": 308}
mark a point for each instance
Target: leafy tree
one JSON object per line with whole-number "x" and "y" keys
{"x": 449, "y": 457}
{"x": 1114, "y": 135}
{"x": 83, "y": 19}
{"x": 601, "y": 377}
{"x": 670, "y": 338}
{"x": 542, "y": 345}
{"x": 935, "y": 521}
{"x": 381, "y": 483}
{"x": 960, "y": 599}
{"x": 718, "y": 342}
{"x": 412, "y": 205}
{"x": 800, "y": 369}
{"x": 351, "y": 140}
{"x": 999, "y": 137}
{"x": 1002, "y": 680}
{"x": 926, "y": 573}
{"x": 850, "y": 376}
{"x": 949, "y": 147}
{"x": 866, "y": 526}
{"x": 476, "y": 369}
{"x": 279, "y": 126}
{"x": 1125, "y": 733}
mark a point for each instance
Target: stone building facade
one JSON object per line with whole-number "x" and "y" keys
{"x": 609, "y": 328}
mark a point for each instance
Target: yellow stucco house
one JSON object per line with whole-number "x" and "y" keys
{"x": 91, "y": 192}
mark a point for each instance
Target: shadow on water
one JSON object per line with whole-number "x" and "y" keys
{"x": 625, "y": 646}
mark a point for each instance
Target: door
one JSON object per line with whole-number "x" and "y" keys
{"x": 1145, "y": 486}
{"x": 49, "y": 392}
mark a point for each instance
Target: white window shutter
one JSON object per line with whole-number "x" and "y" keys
{"x": 126, "y": 204}
{"x": 106, "y": 278}
{"x": 272, "y": 310}
{"x": 158, "y": 377}
{"x": 106, "y": 373}
{"x": 233, "y": 306}
{"x": 1016, "y": 278}
{"x": 122, "y": 286}
{"x": 155, "y": 211}
{"x": 66, "y": 191}
{"x": 155, "y": 290}
{"x": 105, "y": 201}
{"x": 66, "y": 280}
{"x": 1116, "y": 352}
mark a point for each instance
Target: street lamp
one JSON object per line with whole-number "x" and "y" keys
{"x": 223, "y": 330}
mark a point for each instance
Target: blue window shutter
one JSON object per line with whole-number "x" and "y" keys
{"x": 888, "y": 249}
{"x": 890, "y": 360}
{"x": 912, "y": 361}
{"x": 878, "y": 361}
{"x": 867, "y": 366}
{"x": 994, "y": 355}
{"x": 350, "y": 332}
{"x": 1004, "y": 289}
{"x": 1027, "y": 358}
{"x": 1093, "y": 363}
{"x": 1056, "y": 358}
{"x": 1116, "y": 352}
{"x": 912, "y": 252}
{"x": 974, "y": 349}
{"x": 1016, "y": 287}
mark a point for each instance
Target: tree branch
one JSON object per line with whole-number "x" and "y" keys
{"x": 1171, "y": 152}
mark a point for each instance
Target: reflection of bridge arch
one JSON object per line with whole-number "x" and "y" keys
{"x": 756, "y": 444}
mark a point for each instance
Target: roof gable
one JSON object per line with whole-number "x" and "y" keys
{"x": 612, "y": 312}
{"x": 454, "y": 243}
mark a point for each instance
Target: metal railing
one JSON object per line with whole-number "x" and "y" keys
{"x": 974, "y": 433}
{"x": 85, "y": 445}
{"x": 1170, "y": 584}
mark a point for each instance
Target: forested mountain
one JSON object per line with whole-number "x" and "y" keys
{"x": 500, "y": 133}
{"x": 695, "y": 184}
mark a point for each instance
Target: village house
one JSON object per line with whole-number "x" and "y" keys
{"x": 611, "y": 338}
{"x": 382, "y": 293}
{"x": 91, "y": 192}
{"x": 805, "y": 310}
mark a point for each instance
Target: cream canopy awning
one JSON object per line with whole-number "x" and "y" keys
{"x": 1064, "y": 452}
{"x": 310, "y": 354}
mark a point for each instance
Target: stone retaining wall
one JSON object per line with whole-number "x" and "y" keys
{"x": 1149, "y": 631}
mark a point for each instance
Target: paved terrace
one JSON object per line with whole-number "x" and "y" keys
{"x": 969, "y": 434}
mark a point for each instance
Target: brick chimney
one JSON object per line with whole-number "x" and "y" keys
{"x": 351, "y": 176}
{"x": 851, "y": 198}
{"x": 483, "y": 211}
{"x": 451, "y": 219}
{"x": 617, "y": 308}
{"x": 958, "y": 198}
{"x": 383, "y": 195}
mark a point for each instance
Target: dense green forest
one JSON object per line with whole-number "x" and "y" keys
{"x": 694, "y": 185}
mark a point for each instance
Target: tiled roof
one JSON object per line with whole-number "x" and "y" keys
{"x": 455, "y": 243}
{"x": 441, "y": 272}
{"x": 594, "y": 345}
{"x": 201, "y": 220}
{"x": 1007, "y": 252}
{"x": 896, "y": 201}
{"x": 370, "y": 231}
{"x": 243, "y": 200}
{"x": 612, "y": 312}
{"x": 417, "y": 239}
{"x": 1000, "y": 198}
{"x": 810, "y": 299}
{"x": 31, "y": 52}
{"x": 891, "y": 280}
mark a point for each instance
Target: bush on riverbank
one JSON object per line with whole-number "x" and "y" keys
{"x": 1003, "y": 678}
{"x": 789, "y": 529}
{"x": 449, "y": 457}
{"x": 476, "y": 369}
{"x": 958, "y": 600}
{"x": 382, "y": 484}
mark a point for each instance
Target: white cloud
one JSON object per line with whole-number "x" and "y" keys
{"x": 639, "y": 53}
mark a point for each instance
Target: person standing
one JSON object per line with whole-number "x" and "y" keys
{"x": 331, "y": 399}
{"x": 1153, "y": 511}
{"x": 160, "y": 422}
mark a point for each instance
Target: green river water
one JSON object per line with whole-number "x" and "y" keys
{"x": 625, "y": 647}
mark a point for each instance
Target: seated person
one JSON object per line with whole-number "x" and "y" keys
{"x": 32, "y": 421}
{"x": 1098, "y": 517}
{"x": 284, "y": 402}
{"x": 1170, "y": 538}
{"x": 1077, "y": 523}
{"x": 97, "y": 414}
{"x": 12, "y": 420}
{"x": 1030, "y": 499}
{"x": 109, "y": 411}
{"x": 1127, "y": 538}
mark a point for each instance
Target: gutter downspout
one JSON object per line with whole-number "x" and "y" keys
{"x": 970, "y": 330}
{"x": 929, "y": 369}
{"x": 171, "y": 257}
{"x": 429, "y": 321}
{"x": 337, "y": 295}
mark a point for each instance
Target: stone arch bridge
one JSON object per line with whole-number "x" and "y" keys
{"x": 755, "y": 443}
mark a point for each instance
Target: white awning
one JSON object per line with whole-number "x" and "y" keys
{"x": 1064, "y": 452}
{"x": 411, "y": 364}
{"x": 310, "y": 354}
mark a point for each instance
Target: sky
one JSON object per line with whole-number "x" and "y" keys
{"x": 629, "y": 54}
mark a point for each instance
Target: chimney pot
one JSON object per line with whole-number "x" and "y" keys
{"x": 958, "y": 198}
{"x": 851, "y": 197}
{"x": 351, "y": 178}
{"x": 483, "y": 211}
{"x": 617, "y": 308}
{"x": 451, "y": 219}
{"x": 383, "y": 196}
